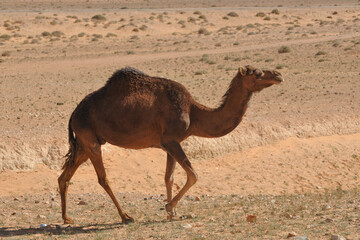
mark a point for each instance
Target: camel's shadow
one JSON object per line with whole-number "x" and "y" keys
{"x": 58, "y": 229}
{"x": 70, "y": 230}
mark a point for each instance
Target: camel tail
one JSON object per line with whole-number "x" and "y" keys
{"x": 70, "y": 156}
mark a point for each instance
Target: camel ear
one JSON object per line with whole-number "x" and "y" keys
{"x": 250, "y": 69}
{"x": 242, "y": 71}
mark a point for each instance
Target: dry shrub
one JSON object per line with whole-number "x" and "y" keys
{"x": 98, "y": 18}
{"x": 284, "y": 49}
{"x": 232, "y": 14}
{"x": 6, "y": 54}
{"x": 275, "y": 11}
{"x": 203, "y": 31}
{"x": 260, "y": 14}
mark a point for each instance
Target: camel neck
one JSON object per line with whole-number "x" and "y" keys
{"x": 217, "y": 122}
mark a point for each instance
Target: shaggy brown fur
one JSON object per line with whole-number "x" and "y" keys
{"x": 134, "y": 110}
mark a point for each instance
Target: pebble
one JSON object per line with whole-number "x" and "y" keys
{"x": 251, "y": 218}
{"x": 337, "y": 237}
{"x": 291, "y": 234}
{"x": 326, "y": 207}
{"x": 197, "y": 199}
{"x": 300, "y": 238}
{"x": 329, "y": 220}
{"x": 40, "y": 216}
{"x": 188, "y": 216}
{"x": 212, "y": 219}
{"x": 82, "y": 203}
{"x": 187, "y": 226}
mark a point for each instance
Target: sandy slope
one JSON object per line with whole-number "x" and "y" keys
{"x": 290, "y": 166}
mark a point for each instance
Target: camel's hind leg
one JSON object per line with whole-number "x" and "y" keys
{"x": 97, "y": 161}
{"x": 169, "y": 176}
{"x": 64, "y": 181}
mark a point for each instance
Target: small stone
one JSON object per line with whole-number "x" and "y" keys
{"x": 16, "y": 199}
{"x": 329, "y": 220}
{"x": 82, "y": 203}
{"x": 50, "y": 226}
{"x": 197, "y": 199}
{"x": 251, "y": 218}
{"x": 337, "y": 237}
{"x": 14, "y": 213}
{"x": 291, "y": 234}
{"x": 162, "y": 208}
{"x": 187, "y": 226}
{"x": 41, "y": 216}
{"x": 287, "y": 215}
{"x": 326, "y": 207}
{"x": 188, "y": 216}
{"x": 300, "y": 238}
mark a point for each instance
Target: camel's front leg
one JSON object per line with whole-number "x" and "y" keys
{"x": 174, "y": 149}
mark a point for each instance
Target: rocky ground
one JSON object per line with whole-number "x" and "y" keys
{"x": 293, "y": 162}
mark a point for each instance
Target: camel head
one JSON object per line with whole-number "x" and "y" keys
{"x": 256, "y": 80}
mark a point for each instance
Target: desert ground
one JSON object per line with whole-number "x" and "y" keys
{"x": 290, "y": 170}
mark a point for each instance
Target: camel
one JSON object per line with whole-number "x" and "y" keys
{"x": 136, "y": 111}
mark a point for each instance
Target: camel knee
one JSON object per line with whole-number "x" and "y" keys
{"x": 192, "y": 179}
{"x": 103, "y": 182}
{"x": 63, "y": 184}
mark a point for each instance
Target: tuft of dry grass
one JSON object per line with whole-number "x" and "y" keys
{"x": 260, "y": 14}
{"x": 5, "y": 37}
{"x": 6, "y": 54}
{"x": 204, "y": 31}
{"x": 232, "y": 14}
{"x": 98, "y": 18}
{"x": 284, "y": 49}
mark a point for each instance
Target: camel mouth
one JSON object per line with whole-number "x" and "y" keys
{"x": 278, "y": 79}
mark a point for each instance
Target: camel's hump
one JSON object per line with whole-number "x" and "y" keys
{"x": 128, "y": 70}
{"x": 125, "y": 72}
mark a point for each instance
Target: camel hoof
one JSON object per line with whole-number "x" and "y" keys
{"x": 128, "y": 220}
{"x": 68, "y": 221}
{"x": 170, "y": 211}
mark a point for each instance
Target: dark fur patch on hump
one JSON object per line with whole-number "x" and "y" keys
{"x": 124, "y": 72}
